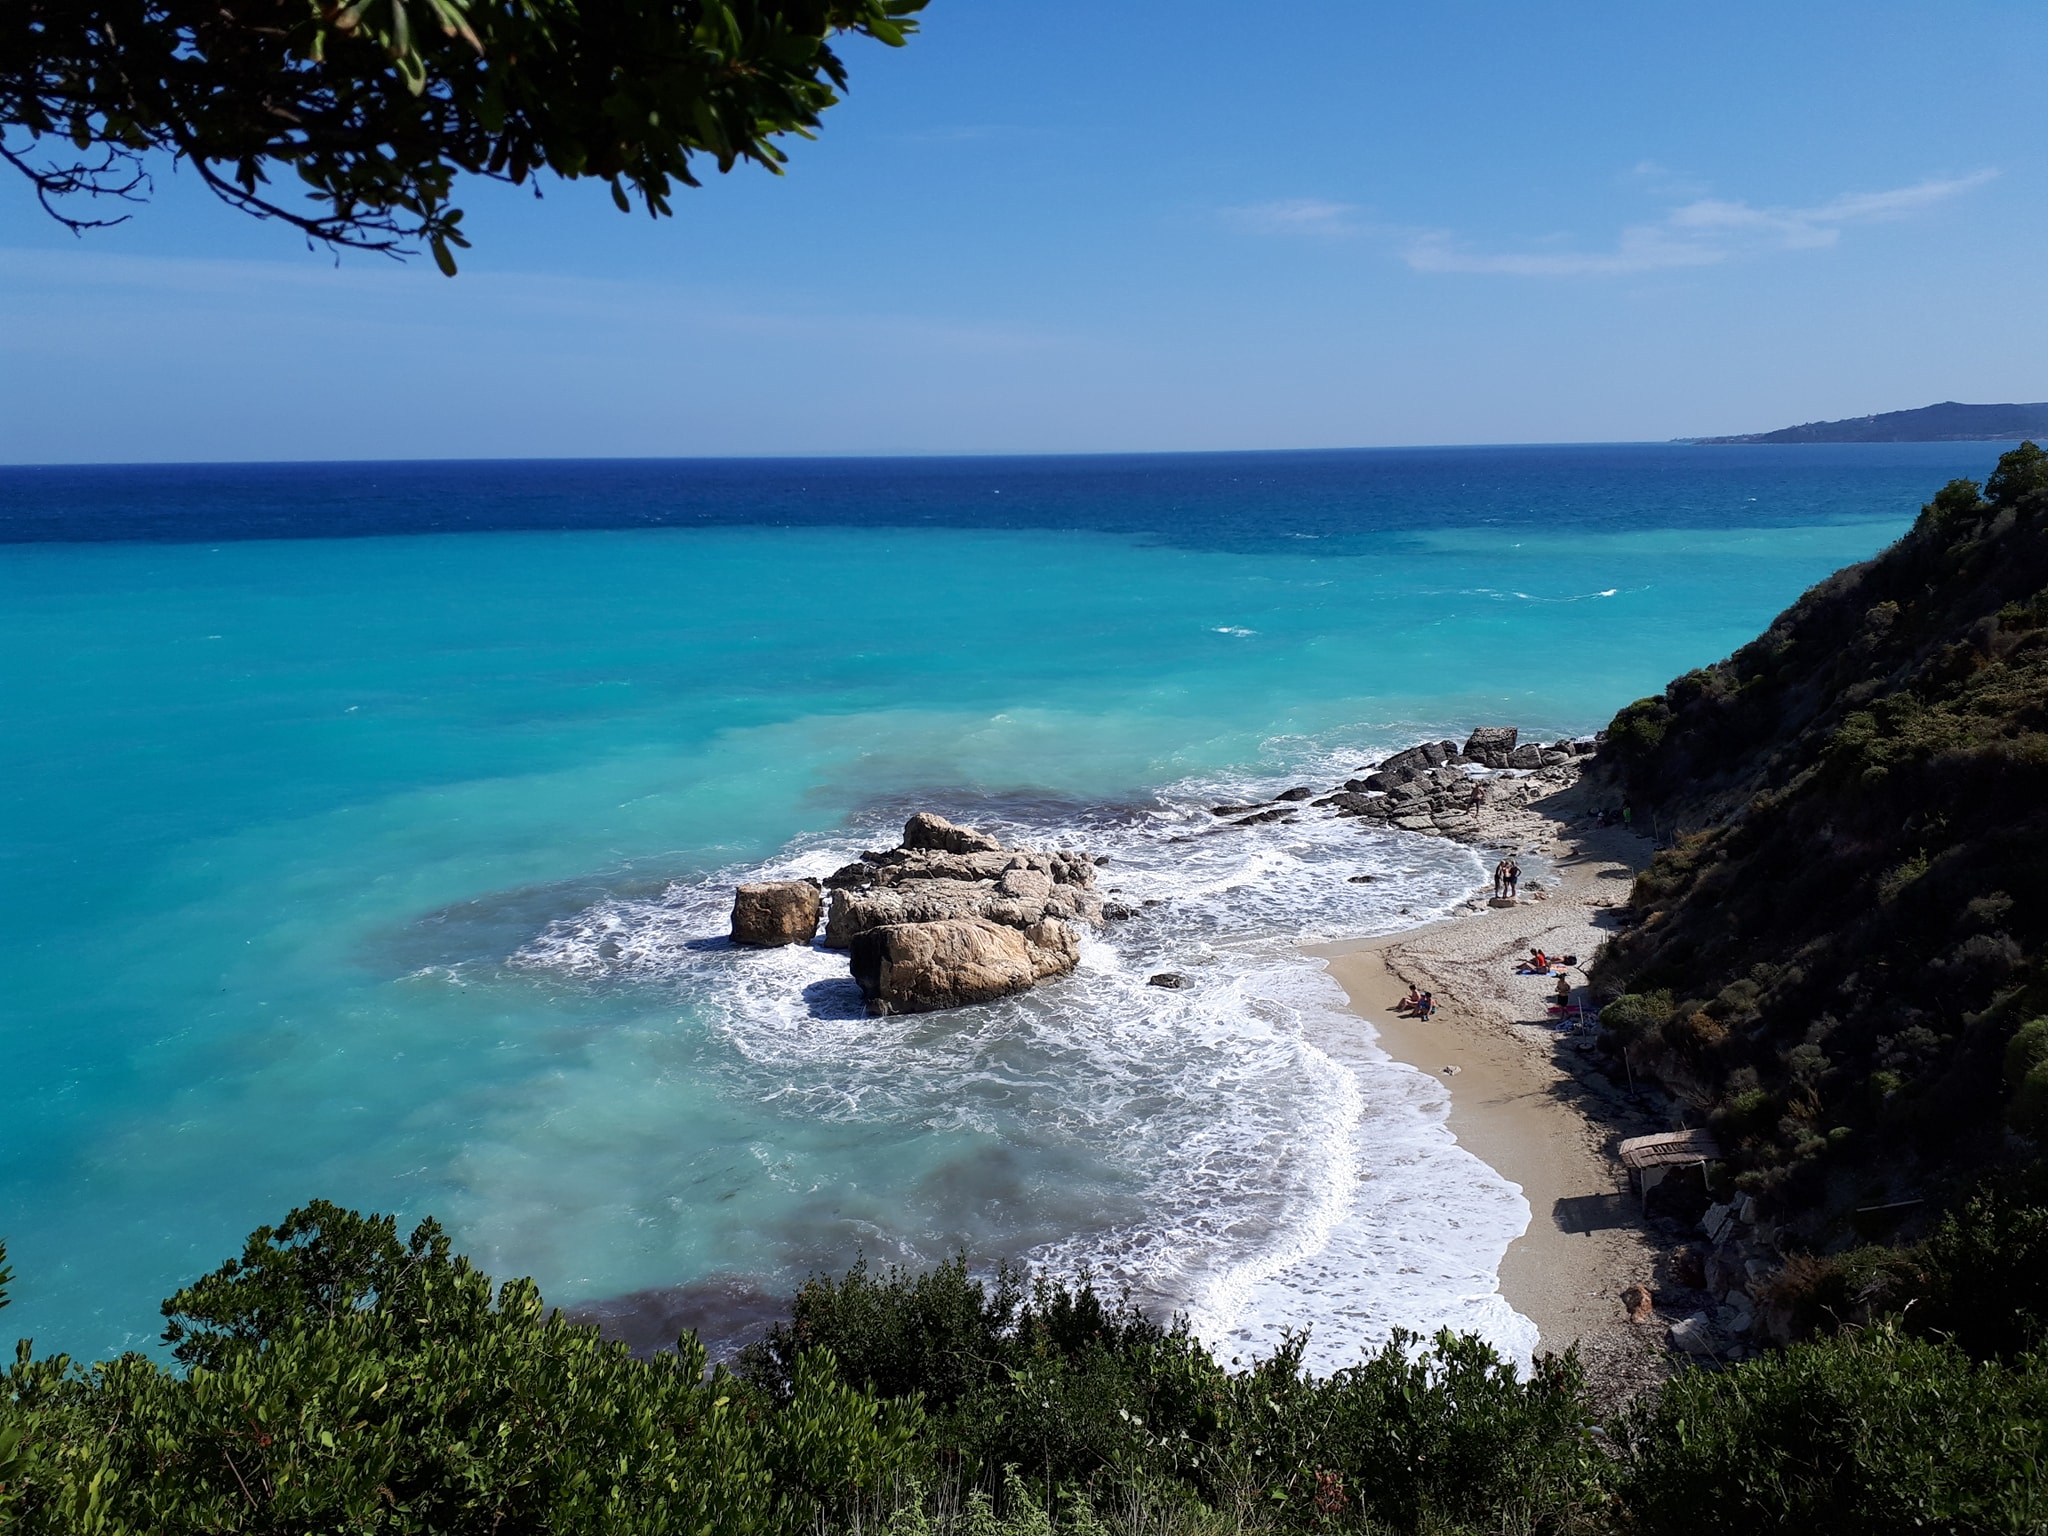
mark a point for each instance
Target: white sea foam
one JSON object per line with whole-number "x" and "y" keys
{"x": 1237, "y": 1149}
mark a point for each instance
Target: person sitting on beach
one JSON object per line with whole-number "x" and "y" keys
{"x": 1409, "y": 1003}
{"x": 1538, "y": 964}
{"x": 1425, "y": 1007}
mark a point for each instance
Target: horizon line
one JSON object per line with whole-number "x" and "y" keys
{"x": 880, "y": 455}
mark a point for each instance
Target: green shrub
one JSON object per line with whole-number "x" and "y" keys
{"x": 1637, "y": 730}
{"x": 1871, "y": 1431}
{"x": 1634, "y": 1014}
{"x": 2020, "y": 473}
{"x": 1958, "y": 500}
{"x": 337, "y": 1379}
{"x": 1753, "y": 1112}
{"x": 342, "y": 1381}
{"x": 1986, "y": 1270}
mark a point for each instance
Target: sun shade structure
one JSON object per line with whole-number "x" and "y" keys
{"x": 1649, "y": 1158}
{"x": 1667, "y": 1148}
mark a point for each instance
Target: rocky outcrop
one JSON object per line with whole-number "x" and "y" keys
{"x": 952, "y": 917}
{"x": 930, "y": 833}
{"x": 924, "y": 966}
{"x": 1490, "y": 745}
{"x": 1436, "y": 787}
{"x": 775, "y": 912}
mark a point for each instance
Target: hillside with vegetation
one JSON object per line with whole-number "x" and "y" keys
{"x": 1839, "y": 954}
{"x": 1949, "y": 422}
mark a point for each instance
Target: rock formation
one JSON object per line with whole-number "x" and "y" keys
{"x": 1490, "y": 745}
{"x": 952, "y": 917}
{"x": 1434, "y": 787}
{"x": 1430, "y": 787}
{"x": 774, "y": 912}
{"x": 923, "y": 966}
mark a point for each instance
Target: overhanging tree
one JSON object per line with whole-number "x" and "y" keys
{"x": 377, "y": 106}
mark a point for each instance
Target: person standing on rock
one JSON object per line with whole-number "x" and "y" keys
{"x": 1500, "y": 878}
{"x": 1513, "y": 873}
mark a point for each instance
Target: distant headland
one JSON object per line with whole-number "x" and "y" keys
{"x": 1948, "y": 422}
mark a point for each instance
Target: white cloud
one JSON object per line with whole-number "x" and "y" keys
{"x": 1296, "y": 216}
{"x": 1699, "y": 233}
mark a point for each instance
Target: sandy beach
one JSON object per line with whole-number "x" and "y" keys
{"x": 1524, "y": 1098}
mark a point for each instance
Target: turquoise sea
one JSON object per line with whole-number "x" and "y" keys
{"x": 368, "y": 830}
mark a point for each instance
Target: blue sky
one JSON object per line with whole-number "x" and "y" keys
{"x": 1148, "y": 226}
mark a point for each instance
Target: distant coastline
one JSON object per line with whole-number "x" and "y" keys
{"x": 1948, "y": 422}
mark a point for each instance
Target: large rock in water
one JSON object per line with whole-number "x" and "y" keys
{"x": 922, "y": 967}
{"x": 943, "y": 873}
{"x": 773, "y": 912}
{"x": 958, "y": 883}
{"x": 1491, "y": 744}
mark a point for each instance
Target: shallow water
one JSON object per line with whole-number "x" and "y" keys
{"x": 393, "y": 868}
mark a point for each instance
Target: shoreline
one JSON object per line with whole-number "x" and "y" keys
{"x": 1523, "y": 1099}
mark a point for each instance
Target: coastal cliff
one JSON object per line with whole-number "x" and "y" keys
{"x": 1837, "y": 955}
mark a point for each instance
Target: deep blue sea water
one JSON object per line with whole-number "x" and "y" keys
{"x": 366, "y": 831}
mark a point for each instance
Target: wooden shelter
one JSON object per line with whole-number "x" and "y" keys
{"x": 1649, "y": 1158}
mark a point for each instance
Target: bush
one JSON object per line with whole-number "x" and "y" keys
{"x": 1634, "y": 1014}
{"x": 2026, "y": 1056}
{"x": 1986, "y": 1271}
{"x": 1635, "y": 733}
{"x": 338, "y": 1379}
{"x": 342, "y": 1381}
{"x": 1874, "y": 1431}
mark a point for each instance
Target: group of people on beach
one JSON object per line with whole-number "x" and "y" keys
{"x": 1507, "y": 874}
{"x": 1417, "y": 1004}
{"x": 1541, "y": 964}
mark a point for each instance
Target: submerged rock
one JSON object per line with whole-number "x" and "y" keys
{"x": 774, "y": 912}
{"x": 1285, "y": 813}
{"x": 1172, "y": 979}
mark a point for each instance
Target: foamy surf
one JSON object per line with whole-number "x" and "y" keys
{"x": 1238, "y": 1150}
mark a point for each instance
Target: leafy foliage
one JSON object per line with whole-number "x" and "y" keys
{"x": 376, "y": 106}
{"x": 1876, "y": 1431}
{"x": 339, "y": 1379}
{"x": 1075, "y": 1390}
{"x": 342, "y": 1381}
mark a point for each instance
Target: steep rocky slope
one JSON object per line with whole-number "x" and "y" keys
{"x": 1838, "y": 955}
